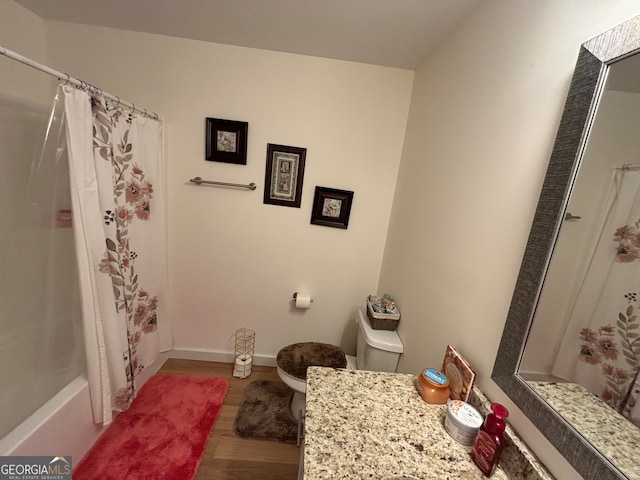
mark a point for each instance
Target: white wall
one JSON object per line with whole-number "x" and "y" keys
{"x": 234, "y": 261}
{"x": 24, "y": 32}
{"x": 483, "y": 118}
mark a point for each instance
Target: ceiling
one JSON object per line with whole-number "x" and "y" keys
{"x": 395, "y": 33}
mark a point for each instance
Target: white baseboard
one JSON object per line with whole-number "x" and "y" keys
{"x": 211, "y": 356}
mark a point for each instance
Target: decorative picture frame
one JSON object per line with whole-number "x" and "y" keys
{"x": 331, "y": 207}
{"x": 284, "y": 175}
{"x": 460, "y": 374}
{"x": 226, "y": 141}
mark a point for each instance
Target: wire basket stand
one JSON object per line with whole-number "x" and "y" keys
{"x": 243, "y": 352}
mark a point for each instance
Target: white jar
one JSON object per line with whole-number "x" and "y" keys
{"x": 462, "y": 421}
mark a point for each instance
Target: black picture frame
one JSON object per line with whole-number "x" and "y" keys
{"x": 226, "y": 141}
{"x": 331, "y": 207}
{"x": 284, "y": 175}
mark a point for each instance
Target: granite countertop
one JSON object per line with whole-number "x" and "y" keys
{"x": 375, "y": 425}
{"x": 611, "y": 433}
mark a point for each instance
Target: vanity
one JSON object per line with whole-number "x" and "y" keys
{"x": 374, "y": 425}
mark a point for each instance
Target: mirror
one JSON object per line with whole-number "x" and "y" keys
{"x": 596, "y": 58}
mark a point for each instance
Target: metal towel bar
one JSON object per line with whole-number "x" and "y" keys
{"x": 200, "y": 181}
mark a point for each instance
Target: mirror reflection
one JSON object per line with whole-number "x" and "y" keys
{"x": 585, "y": 337}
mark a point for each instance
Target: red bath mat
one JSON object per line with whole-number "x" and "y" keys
{"x": 163, "y": 434}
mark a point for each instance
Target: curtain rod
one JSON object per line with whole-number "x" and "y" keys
{"x": 74, "y": 81}
{"x": 629, "y": 167}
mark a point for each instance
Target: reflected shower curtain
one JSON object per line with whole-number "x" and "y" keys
{"x": 601, "y": 346}
{"x": 116, "y": 171}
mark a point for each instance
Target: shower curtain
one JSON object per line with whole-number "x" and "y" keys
{"x": 119, "y": 228}
{"x": 41, "y": 348}
{"x": 601, "y": 346}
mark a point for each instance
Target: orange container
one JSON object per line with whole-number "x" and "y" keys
{"x": 433, "y": 386}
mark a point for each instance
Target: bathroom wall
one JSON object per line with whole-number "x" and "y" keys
{"x": 484, "y": 114}
{"x": 23, "y": 31}
{"x": 234, "y": 261}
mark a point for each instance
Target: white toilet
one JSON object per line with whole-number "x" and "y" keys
{"x": 377, "y": 350}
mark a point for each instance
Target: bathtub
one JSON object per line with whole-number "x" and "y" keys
{"x": 64, "y": 424}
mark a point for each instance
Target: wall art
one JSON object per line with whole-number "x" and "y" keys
{"x": 331, "y": 207}
{"x": 284, "y": 174}
{"x": 226, "y": 141}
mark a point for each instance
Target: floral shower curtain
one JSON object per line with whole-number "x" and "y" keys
{"x": 601, "y": 346}
{"x": 116, "y": 171}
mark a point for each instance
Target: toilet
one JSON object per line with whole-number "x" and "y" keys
{"x": 377, "y": 350}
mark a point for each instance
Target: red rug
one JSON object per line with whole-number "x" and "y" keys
{"x": 163, "y": 434}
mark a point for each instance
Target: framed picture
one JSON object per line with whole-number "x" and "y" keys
{"x": 284, "y": 174}
{"x": 226, "y": 141}
{"x": 460, "y": 374}
{"x": 331, "y": 207}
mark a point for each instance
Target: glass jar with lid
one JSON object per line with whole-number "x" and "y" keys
{"x": 433, "y": 386}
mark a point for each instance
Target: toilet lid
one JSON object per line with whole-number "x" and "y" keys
{"x": 296, "y": 358}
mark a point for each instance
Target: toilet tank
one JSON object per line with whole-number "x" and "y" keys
{"x": 377, "y": 350}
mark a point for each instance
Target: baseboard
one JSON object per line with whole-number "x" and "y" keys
{"x": 212, "y": 356}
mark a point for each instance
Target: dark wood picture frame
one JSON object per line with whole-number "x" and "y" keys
{"x": 226, "y": 141}
{"x": 331, "y": 207}
{"x": 284, "y": 175}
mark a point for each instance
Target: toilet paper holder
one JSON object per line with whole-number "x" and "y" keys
{"x": 244, "y": 344}
{"x": 295, "y": 296}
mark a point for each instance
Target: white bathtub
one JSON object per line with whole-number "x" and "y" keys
{"x": 64, "y": 425}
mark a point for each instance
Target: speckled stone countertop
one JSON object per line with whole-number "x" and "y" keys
{"x": 611, "y": 433}
{"x": 375, "y": 425}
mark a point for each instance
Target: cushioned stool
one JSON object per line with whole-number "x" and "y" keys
{"x": 293, "y": 361}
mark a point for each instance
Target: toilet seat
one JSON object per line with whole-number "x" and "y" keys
{"x": 293, "y": 361}
{"x": 292, "y": 382}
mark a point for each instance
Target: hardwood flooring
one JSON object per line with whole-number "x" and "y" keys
{"x": 227, "y": 456}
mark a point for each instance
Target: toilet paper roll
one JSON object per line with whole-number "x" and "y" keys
{"x": 303, "y": 300}
{"x": 244, "y": 360}
{"x": 242, "y": 367}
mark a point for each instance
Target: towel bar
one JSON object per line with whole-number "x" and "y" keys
{"x": 200, "y": 181}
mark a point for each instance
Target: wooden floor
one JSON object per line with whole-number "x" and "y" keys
{"x": 227, "y": 456}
